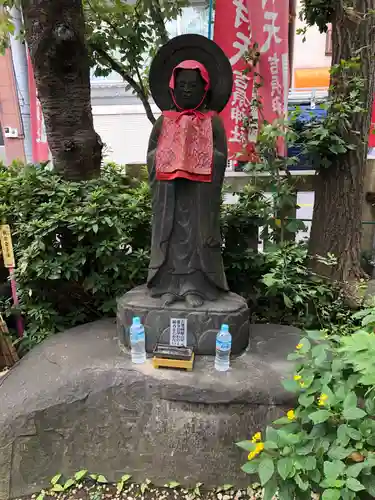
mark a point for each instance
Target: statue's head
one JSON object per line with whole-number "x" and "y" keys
{"x": 189, "y": 85}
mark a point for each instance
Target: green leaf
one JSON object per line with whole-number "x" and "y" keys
{"x": 306, "y": 448}
{"x": 306, "y": 400}
{"x": 370, "y": 405}
{"x": 303, "y": 485}
{"x": 291, "y": 385}
{"x": 266, "y": 470}
{"x": 339, "y": 452}
{"x": 270, "y": 445}
{"x": 288, "y": 303}
{"x": 353, "y": 413}
{"x": 101, "y": 479}
{"x": 342, "y": 435}
{"x": 285, "y": 467}
{"x": 320, "y": 416}
{"x": 354, "y": 470}
{"x": 69, "y": 483}
{"x": 172, "y": 485}
{"x": 250, "y": 467}
{"x": 354, "y": 485}
{"x": 306, "y": 345}
{"x": 58, "y": 487}
{"x": 282, "y": 421}
{"x": 315, "y": 334}
{"x": 80, "y": 474}
{"x": 270, "y": 490}
{"x": 56, "y": 479}
{"x": 272, "y": 434}
{"x": 319, "y": 353}
{"x": 354, "y": 434}
{"x": 227, "y": 487}
{"x": 246, "y": 445}
{"x": 286, "y": 491}
{"x": 350, "y": 401}
{"x": 331, "y": 495}
{"x": 334, "y": 469}
{"x": 369, "y": 483}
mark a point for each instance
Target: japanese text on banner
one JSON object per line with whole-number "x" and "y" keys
{"x": 270, "y": 22}
{"x": 233, "y": 35}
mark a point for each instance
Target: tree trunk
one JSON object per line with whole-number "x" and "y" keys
{"x": 55, "y": 32}
{"x": 339, "y": 189}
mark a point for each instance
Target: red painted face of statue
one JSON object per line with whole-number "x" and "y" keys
{"x": 189, "y": 85}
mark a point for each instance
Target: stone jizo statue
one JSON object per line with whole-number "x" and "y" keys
{"x": 191, "y": 81}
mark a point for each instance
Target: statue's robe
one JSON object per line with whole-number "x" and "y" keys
{"x": 186, "y": 240}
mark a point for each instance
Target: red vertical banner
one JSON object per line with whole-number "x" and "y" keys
{"x": 232, "y": 33}
{"x": 270, "y": 26}
{"x": 38, "y": 130}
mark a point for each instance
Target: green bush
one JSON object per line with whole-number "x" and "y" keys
{"x": 326, "y": 444}
{"x": 77, "y": 245}
{"x": 80, "y": 245}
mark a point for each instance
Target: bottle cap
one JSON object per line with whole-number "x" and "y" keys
{"x": 136, "y": 320}
{"x": 224, "y": 328}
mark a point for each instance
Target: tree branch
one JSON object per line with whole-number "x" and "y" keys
{"x": 138, "y": 88}
{"x": 157, "y": 15}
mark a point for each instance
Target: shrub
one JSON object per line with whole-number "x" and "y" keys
{"x": 77, "y": 245}
{"x": 80, "y": 245}
{"x": 326, "y": 444}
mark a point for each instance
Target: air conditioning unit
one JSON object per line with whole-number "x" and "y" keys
{"x": 10, "y": 132}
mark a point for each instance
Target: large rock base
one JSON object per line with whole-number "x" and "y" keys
{"x": 76, "y": 402}
{"x": 203, "y": 323}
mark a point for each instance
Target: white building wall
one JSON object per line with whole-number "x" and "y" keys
{"x": 125, "y": 131}
{"x": 311, "y": 53}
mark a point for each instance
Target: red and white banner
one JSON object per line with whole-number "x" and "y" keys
{"x": 38, "y": 130}
{"x": 270, "y": 26}
{"x": 239, "y": 24}
{"x": 232, "y": 34}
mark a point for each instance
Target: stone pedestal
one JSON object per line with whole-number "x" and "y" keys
{"x": 203, "y": 323}
{"x": 77, "y": 402}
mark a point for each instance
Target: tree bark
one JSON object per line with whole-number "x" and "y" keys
{"x": 55, "y": 32}
{"x": 339, "y": 189}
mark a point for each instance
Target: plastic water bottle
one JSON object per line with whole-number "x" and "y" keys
{"x": 137, "y": 341}
{"x": 223, "y": 348}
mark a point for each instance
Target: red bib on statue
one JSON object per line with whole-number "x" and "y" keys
{"x": 185, "y": 146}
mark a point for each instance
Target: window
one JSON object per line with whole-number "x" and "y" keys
{"x": 192, "y": 20}
{"x": 1, "y": 136}
{"x": 329, "y": 41}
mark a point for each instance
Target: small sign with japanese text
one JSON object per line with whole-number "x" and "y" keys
{"x": 178, "y": 332}
{"x": 7, "y": 246}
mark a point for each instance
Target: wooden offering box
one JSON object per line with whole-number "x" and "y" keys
{"x": 167, "y": 356}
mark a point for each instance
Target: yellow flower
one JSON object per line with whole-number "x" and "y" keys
{"x": 291, "y": 415}
{"x": 299, "y": 346}
{"x": 322, "y": 400}
{"x": 297, "y": 377}
{"x": 258, "y": 449}
{"x": 257, "y": 437}
{"x": 302, "y": 384}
